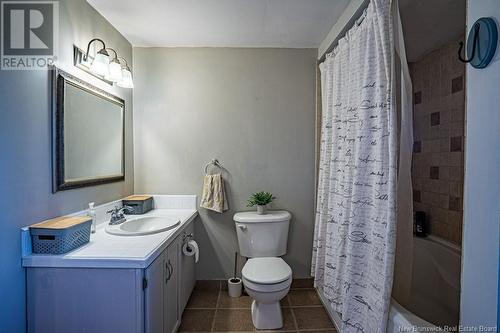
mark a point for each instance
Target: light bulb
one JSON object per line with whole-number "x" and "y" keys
{"x": 126, "y": 81}
{"x": 100, "y": 64}
{"x": 115, "y": 71}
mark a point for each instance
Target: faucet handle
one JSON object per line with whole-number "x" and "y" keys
{"x": 127, "y": 209}
{"x": 113, "y": 210}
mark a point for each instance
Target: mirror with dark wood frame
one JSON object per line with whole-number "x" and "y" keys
{"x": 88, "y": 134}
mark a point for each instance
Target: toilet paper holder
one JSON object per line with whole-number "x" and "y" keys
{"x": 187, "y": 237}
{"x": 190, "y": 247}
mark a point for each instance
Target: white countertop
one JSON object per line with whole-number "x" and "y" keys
{"x": 110, "y": 251}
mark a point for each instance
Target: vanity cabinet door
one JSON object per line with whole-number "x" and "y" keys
{"x": 171, "y": 290}
{"x": 154, "y": 294}
{"x": 162, "y": 291}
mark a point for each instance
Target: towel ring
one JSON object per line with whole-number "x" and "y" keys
{"x": 214, "y": 163}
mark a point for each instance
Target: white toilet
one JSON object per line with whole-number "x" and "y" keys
{"x": 266, "y": 277}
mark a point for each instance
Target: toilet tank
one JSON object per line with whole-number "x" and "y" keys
{"x": 262, "y": 235}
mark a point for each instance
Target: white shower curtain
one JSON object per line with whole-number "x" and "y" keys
{"x": 353, "y": 254}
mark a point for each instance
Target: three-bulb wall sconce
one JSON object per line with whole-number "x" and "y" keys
{"x": 105, "y": 65}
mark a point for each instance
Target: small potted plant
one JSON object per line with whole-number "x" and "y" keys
{"x": 261, "y": 200}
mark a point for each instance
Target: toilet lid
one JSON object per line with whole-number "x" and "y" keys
{"x": 268, "y": 270}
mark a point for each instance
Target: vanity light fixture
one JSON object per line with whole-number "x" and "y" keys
{"x": 100, "y": 64}
{"x": 126, "y": 81}
{"x": 112, "y": 70}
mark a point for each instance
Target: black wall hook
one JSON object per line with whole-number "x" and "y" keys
{"x": 477, "y": 27}
{"x": 481, "y": 43}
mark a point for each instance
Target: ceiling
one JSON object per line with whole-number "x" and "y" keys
{"x": 222, "y": 23}
{"x": 429, "y": 24}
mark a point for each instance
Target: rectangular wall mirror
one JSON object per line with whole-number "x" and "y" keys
{"x": 88, "y": 134}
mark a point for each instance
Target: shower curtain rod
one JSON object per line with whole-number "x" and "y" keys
{"x": 346, "y": 21}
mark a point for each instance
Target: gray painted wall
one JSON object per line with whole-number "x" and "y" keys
{"x": 25, "y": 143}
{"x": 480, "y": 247}
{"x": 254, "y": 110}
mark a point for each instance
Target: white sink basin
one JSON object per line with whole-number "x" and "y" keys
{"x": 143, "y": 226}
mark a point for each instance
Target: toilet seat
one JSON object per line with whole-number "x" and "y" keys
{"x": 267, "y": 288}
{"x": 266, "y": 270}
{"x": 267, "y": 274}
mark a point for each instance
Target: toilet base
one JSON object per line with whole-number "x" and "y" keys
{"x": 267, "y": 316}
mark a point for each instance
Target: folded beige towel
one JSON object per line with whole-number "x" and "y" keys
{"x": 214, "y": 195}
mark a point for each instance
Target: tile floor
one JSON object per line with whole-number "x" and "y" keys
{"x": 210, "y": 309}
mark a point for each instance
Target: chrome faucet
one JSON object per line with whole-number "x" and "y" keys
{"x": 118, "y": 214}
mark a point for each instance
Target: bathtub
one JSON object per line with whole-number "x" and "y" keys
{"x": 435, "y": 290}
{"x": 402, "y": 320}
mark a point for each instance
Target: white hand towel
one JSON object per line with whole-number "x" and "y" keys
{"x": 214, "y": 194}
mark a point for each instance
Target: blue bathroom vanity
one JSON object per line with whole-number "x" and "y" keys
{"x": 115, "y": 283}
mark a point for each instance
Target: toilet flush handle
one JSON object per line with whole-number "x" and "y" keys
{"x": 242, "y": 227}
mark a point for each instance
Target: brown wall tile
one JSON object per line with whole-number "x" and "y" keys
{"x": 417, "y": 97}
{"x": 444, "y": 130}
{"x": 434, "y": 172}
{"x": 456, "y": 189}
{"x": 456, "y": 173}
{"x": 455, "y": 219}
{"x": 444, "y": 173}
{"x": 417, "y": 146}
{"x": 458, "y": 100}
{"x": 416, "y": 195}
{"x": 457, "y": 84}
{"x": 456, "y": 143}
{"x": 457, "y": 129}
{"x": 457, "y": 115}
{"x": 429, "y": 198}
{"x": 444, "y": 145}
{"x": 455, "y": 203}
{"x": 435, "y": 118}
{"x": 443, "y": 200}
{"x": 456, "y": 159}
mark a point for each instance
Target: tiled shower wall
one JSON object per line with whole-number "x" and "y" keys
{"x": 438, "y": 131}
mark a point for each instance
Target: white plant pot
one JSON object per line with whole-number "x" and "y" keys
{"x": 261, "y": 209}
{"x": 234, "y": 287}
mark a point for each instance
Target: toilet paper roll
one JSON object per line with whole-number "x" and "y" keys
{"x": 191, "y": 249}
